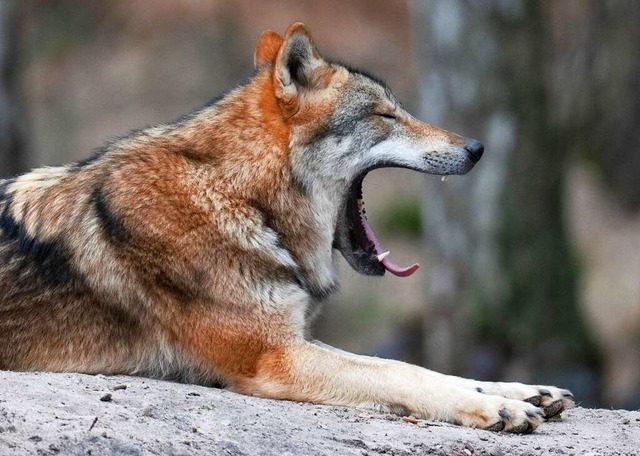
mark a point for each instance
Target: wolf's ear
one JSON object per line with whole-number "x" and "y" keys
{"x": 298, "y": 62}
{"x": 267, "y": 48}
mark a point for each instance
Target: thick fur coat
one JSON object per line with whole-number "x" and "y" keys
{"x": 199, "y": 250}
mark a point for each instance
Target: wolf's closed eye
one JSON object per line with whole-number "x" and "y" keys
{"x": 386, "y": 115}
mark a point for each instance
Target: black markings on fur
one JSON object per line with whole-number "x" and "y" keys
{"x": 317, "y": 293}
{"x": 3, "y": 187}
{"x": 123, "y": 320}
{"x": 270, "y": 221}
{"x": 166, "y": 283}
{"x": 33, "y": 262}
{"x": 299, "y": 183}
{"x": 94, "y": 157}
{"x": 268, "y": 216}
{"x": 194, "y": 156}
{"x": 298, "y": 276}
{"x": 361, "y": 72}
{"x": 111, "y": 225}
{"x": 183, "y": 291}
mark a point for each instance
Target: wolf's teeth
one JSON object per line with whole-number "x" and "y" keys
{"x": 444, "y": 178}
{"x": 382, "y": 256}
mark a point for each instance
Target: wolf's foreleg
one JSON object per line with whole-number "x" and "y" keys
{"x": 302, "y": 371}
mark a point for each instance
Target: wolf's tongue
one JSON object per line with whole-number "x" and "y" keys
{"x": 386, "y": 262}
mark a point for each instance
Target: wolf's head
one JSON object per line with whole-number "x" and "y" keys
{"x": 343, "y": 124}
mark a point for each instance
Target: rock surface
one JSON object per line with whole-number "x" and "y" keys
{"x": 43, "y": 413}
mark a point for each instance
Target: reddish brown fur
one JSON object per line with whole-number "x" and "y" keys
{"x": 267, "y": 48}
{"x": 166, "y": 276}
{"x": 151, "y": 191}
{"x": 191, "y": 251}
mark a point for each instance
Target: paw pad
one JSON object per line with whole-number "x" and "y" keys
{"x": 524, "y": 428}
{"x": 553, "y": 409}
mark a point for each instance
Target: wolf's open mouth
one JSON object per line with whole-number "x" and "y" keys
{"x": 354, "y": 236}
{"x": 357, "y": 241}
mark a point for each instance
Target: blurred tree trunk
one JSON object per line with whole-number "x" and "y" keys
{"x": 12, "y": 150}
{"x": 595, "y": 85}
{"x": 501, "y": 269}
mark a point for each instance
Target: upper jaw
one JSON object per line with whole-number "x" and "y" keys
{"x": 349, "y": 237}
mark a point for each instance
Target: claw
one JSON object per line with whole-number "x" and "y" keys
{"x": 534, "y": 400}
{"x": 531, "y": 414}
{"x": 505, "y": 414}
{"x": 545, "y": 392}
{"x": 499, "y": 426}
{"x": 567, "y": 394}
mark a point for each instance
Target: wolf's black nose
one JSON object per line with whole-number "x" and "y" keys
{"x": 475, "y": 149}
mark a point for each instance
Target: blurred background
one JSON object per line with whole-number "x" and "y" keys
{"x": 530, "y": 264}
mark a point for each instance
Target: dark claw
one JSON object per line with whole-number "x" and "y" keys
{"x": 499, "y": 426}
{"x": 567, "y": 394}
{"x": 504, "y": 413}
{"x": 545, "y": 392}
{"x": 553, "y": 409}
{"x": 531, "y": 414}
{"x": 524, "y": 428}
{"x": 534, "y": 400}
{"x": 480, "y": 390}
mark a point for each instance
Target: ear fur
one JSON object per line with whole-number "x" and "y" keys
{"x": 297, "y": 61}
{"x": 267, "y": 48}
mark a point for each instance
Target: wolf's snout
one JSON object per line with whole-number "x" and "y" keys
{"x": 474, "y": 148}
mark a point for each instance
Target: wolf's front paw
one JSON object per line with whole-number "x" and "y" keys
{"x": 499, "y": 414}
{"x": 550, "y": 399}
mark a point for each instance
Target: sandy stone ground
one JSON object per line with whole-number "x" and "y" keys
{"x": 71, "y": 414}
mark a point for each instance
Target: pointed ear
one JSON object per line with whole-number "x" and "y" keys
{"x": 297, "y": 62}
{"x": 267, "y": 48}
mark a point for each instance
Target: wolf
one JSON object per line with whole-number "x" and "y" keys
{"x": 200, "y": 250}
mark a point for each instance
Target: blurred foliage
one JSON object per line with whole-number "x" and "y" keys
{"x": 59, "y": 29}
{"x": 402, "y": 218}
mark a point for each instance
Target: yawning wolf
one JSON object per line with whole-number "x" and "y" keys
{"x": 200, "y": 250}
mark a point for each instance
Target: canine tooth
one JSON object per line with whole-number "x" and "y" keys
{"x": 444, "y": 178}
{"x": 382, "y": 256}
